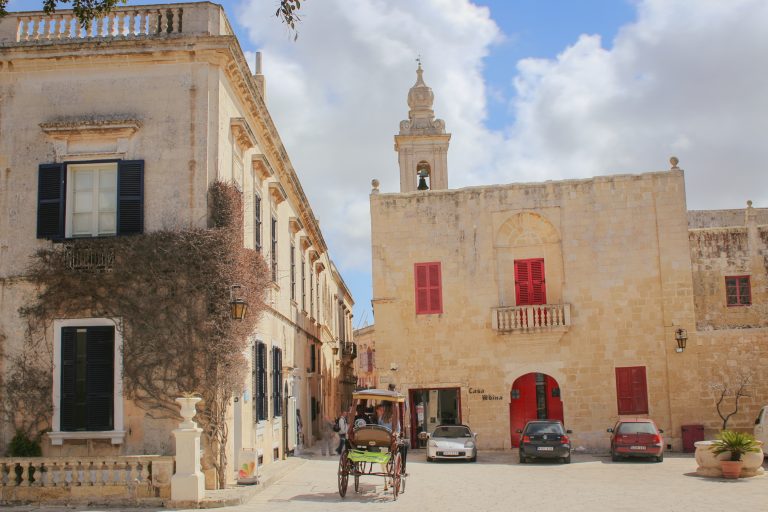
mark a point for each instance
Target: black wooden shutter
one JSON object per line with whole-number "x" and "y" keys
{"x": 100, "y": 344}
{"x": 261, "y": 397}
{"x": 130, "y": 197}
{"x": 68, "y": 379}
{"x": 51, "y": 198}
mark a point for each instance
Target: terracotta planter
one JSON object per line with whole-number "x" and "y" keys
{"x": 730, "y": 468}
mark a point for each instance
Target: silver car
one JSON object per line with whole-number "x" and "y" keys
{"x": 451, "y": 442}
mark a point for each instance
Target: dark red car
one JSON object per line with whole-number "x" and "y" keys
{"x": 636, "y": 438}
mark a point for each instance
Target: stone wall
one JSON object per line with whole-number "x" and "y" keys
{"x": 618, "y": 252}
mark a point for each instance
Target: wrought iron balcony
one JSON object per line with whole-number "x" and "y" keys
{"x": 349, "y": 349}
{"x": 539, "y": 317}
{"x": 88, "y": 257}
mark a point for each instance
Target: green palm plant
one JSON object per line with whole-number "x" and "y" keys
{"x": 736, "y": 443}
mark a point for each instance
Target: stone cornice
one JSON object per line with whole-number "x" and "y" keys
{"x": 242, "y": 133}
{"x": 261, "y": 166}
{"x": 117, "y": 127}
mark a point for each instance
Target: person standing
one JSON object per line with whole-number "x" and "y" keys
{"x": 342, "y": 433}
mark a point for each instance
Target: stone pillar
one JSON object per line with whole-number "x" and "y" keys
{"x": 188, "y": 482}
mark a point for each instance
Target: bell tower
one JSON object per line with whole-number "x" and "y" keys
{"x": 422, "y": 144}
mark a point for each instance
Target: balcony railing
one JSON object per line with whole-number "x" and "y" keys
{"x": 121, "y": 23}
{"x": 349, "y": 349}
{"x": 88, "y": 258}
{"x": 531, "y": 318}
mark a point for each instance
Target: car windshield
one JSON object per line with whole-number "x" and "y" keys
{"x": 636, "y": 427}
{"x": 544, "y": 428}
{"x": 452, "y": 432}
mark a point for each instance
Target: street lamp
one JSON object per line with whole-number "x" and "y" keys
{"x": 681, "y": 336}
{"x": 237, "y": 304}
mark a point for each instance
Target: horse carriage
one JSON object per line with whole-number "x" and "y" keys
{"x": 372, "y": 447}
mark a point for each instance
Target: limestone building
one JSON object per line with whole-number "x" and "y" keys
{"x": 568, "y": 299}
{"x": 367, "y": 373}
{"x": 163, "y": 92}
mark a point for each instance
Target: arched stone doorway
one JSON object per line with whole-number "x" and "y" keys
{"x": 533, "y": 396}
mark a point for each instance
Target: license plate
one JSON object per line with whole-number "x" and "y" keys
{"x": 450, "y": 452}
{"x": 637, "y": 447}
{"x": 545, "y": 448}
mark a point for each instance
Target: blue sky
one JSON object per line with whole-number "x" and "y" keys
{"x": 531, "y": 90}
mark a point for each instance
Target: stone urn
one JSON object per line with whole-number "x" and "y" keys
{"x": 188, "y": 411}
{"x": 709, "y": 463}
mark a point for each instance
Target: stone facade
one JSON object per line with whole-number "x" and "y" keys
{"x": 169, "y": 85}
{"x": 367, "y": 371}
{"x": 616, "y": 255}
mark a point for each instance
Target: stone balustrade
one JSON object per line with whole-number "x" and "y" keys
{"x": 125, "y": 23}
{"x": 528, "y": 318}
{"x": 23, "y": 479}
{"x": 141, "y": 21}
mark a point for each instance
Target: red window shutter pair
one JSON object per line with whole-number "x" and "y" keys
{"x": 429, "y": 292}
{"x": 738, "y": 291}
{"x": 631, "y": 390}
{"x": 530, "y": 284}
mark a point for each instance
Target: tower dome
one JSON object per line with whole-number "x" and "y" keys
{"x": 420, "y": 97}
{"x": 421, "y": 117}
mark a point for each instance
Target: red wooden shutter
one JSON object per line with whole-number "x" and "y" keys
{"x": 435, "y": 289}
{"x": 631, "y": 390}
{"x": 530, "y": 285}
{"x": 538, "y": 288}
{"x": 522, "y": 282}
{"x": 422, "y": 289}
{"x": 428, "y": 285}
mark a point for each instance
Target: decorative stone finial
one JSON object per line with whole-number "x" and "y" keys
{"x": 674, "y": 161}
{"x": 375, "y": 186}
{"x": 749, "y": 203}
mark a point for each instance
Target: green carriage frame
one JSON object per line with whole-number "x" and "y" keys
{"x": 369, "y": 446}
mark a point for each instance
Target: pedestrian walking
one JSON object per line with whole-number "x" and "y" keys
{"x": 342, "y": 433}
{"x": 326, "y": 436}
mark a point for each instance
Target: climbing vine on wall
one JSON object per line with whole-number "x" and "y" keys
{"x": 169, "y": 293}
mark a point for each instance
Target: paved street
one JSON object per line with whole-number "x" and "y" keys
{"x": 497, "y": 482}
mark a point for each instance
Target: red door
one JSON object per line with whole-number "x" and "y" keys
{"x": 528, "y": 393}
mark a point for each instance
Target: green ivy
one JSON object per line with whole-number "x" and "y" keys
{"x": 22, "y": 446}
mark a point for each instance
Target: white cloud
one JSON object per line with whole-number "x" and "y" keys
{"x": 338, "y": 95}
{"x": 688, "y": 77}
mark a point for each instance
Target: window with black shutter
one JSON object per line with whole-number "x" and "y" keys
{"x": 293, "y": 271}
{"x": 87, "y": 378}
{"x": 86, "y": 199}
{"x": 260, "y": 382}
{"x": 257, "y": 222}
{"x": 277, "y": 388}
{"x": 274, "y": 250}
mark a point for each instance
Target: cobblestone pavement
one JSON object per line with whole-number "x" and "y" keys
{"x": 498, "y": 482}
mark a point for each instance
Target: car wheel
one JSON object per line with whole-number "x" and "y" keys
{"x": 473, "y": 459}
{"x": 430, "y": 459}
{"x": 523, "y": 460}
{"x": 660, "y": 458}
{"x": 615, "y": 458}
{"x": 567, "y": 460}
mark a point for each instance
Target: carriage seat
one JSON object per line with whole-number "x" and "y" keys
{"x": 372, "y": 435}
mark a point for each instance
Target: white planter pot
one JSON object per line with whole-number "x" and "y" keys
{"x": 709, "y": 463}
{"x": 188, "y": 411}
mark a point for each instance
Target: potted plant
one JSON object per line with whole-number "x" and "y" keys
{"x": 737, "y": 444}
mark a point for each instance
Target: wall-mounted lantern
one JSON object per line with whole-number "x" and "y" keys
{"x": 681, "y": 336}
{"x": 237, "y": 304}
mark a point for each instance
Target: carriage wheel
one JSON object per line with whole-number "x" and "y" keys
{"x": 396, "y": 475}
{"x": 344, "y": 466}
